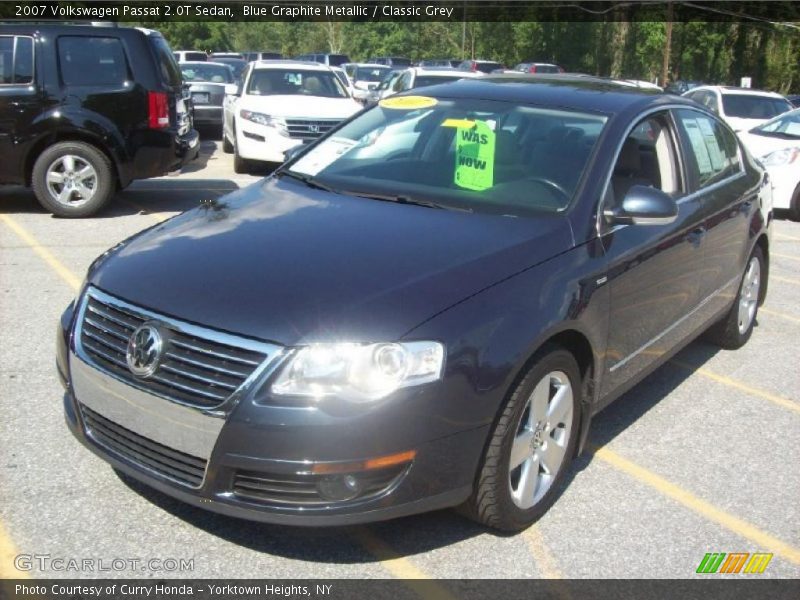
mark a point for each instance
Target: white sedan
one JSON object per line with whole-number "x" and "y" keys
{"x": 776, "y": 144}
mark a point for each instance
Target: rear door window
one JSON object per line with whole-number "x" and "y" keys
{"x": 85, "y": 60}
{"x": 167, "y": 65}
{"x": 16, "y": 60}
{"x": 713, "y": 149}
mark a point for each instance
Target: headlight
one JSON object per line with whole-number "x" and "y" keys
{"x": 780, "y": 157}
{"x": 359, "y": 372}
{"x": 262, "y": 119}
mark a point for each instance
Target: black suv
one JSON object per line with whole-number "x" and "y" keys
{"x": 85, "y": 110}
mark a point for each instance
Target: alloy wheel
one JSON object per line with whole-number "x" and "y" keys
{"x": 748, "y": 297}
{"x": 540, "y": 444}
{"x": 71, "y": 180}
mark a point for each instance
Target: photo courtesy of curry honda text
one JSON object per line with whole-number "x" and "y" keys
{"x": 423, "y": 308}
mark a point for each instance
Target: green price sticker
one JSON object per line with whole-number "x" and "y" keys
{"x": 474, "y": 155}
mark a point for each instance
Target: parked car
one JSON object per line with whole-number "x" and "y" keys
{"x": 208, "y": 84}
{"x": 741, "y": 108}
{"x": 416, "y": 77}
{"x": 484, "y": 66}
{"x": 423, "y": 309}
{"x": 85, "y": 110}
{"x": 366, "y": 77}
{"x": 538, "y": 67}
{"x": 776, "y": 144}
{"x": 384, "y": 88}
{"x": 430, "y": 63}
{"x": 251, "y": 56}
{"x": 282, "y": 104}
{"x": 680, "y": 86}
{"x": 218, "y": 55}
{"x": 236, "y": 64}
{"x": 330, "y": 60}
{"x": 395, "y": 62}
{"x": 190, "y": 55}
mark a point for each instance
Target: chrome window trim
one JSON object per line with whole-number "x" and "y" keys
{"x": 15, "y": 37}
{"x": 652, "y": 341}
{"x": 683, "y": 199}
{"x": 273, "y": 353}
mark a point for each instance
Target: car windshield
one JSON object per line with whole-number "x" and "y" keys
{"x": 423, "y": 80}
{"x": 295, "y": 82}
{"x": 464, "y": 154}
{"x": 370, "y": 74}
{"x": 207, "y": 73}
{"x": 751, "y": 106}
{"x": 786, "y": 126}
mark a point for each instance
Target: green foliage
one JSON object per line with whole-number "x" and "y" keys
{"x": 716, "y": 52}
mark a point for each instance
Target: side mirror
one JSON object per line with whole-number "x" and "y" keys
{"x": 644, "y": 205}
{"x": 231, "y": 89}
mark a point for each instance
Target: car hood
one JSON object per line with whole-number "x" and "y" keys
{"x": 282, "y": 262}
{"x": 761, "y": 145}
{"x": 739, "y": 124}
{"x": 309, "y": 107}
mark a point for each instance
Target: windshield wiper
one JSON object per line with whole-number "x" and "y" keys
{"x": 398, "y": 199}
{"x": 309, "y": 181}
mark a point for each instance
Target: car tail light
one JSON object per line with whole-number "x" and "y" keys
{"x": 158, "y": 110}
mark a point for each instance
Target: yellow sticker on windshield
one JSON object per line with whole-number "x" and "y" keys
{"x": 408, "y": 102}
{"x": 458, "y": 123}
{"x": 475, "y": 157}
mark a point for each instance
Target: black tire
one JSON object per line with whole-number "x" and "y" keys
{"x": 105, "y": 183}
{"x": 491, "y": 502}
{"x": 794, "y": 209}
{"x": 240, "y": 165}
{"x": 727, "y": 333}
{"x": 227, "y": 147}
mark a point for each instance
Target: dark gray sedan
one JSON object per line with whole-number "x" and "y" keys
{"x": 207, "y": 82}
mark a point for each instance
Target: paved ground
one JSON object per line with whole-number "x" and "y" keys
{"x": 701, "y": 457}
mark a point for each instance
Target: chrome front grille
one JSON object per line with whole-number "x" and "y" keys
{"x": 175, "y": 465}
{"x": 199, "y": 367}
{"x": 310, "y": 129}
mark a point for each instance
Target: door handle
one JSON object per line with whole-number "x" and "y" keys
{"x": 696, "y": 236}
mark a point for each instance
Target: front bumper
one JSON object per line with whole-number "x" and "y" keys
{"x": 270, "y": 443}
{"x": 259, "y": 142}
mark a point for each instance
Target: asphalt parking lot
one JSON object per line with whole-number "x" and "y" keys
{"x": 701, "y": 457}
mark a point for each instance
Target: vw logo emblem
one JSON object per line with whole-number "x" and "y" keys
{"x": 144, "y": 350}
{"x": 313, "y": 128}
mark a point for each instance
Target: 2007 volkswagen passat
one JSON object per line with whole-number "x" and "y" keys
{"x": 423, "y": 309}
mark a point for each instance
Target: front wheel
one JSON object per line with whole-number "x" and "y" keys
{"x": 531, "y": 446}
{"x": 736, "y": 327}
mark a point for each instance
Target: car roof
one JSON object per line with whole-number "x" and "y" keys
{"x": 731, "y": 89}
{"x": 289, "y": 64}
{"x": 436, "y": 72}
{"x": 576, "y": 92}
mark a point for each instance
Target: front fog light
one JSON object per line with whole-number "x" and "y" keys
{"x": 359, "y": 372}
{"x": 339, "y": 487}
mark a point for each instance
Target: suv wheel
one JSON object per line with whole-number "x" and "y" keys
{"x": 736, "y": 327}
{"x": 73, "y": 179}
{"x": 794, "y": 209}
{"x": 531, "y": 446}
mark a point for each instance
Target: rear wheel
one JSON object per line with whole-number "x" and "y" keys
{"x": 73, "y": 179}
{"x": 794, "y": 209}
{"x": 531, "y": 446}
{"x": 736, "y": 327}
